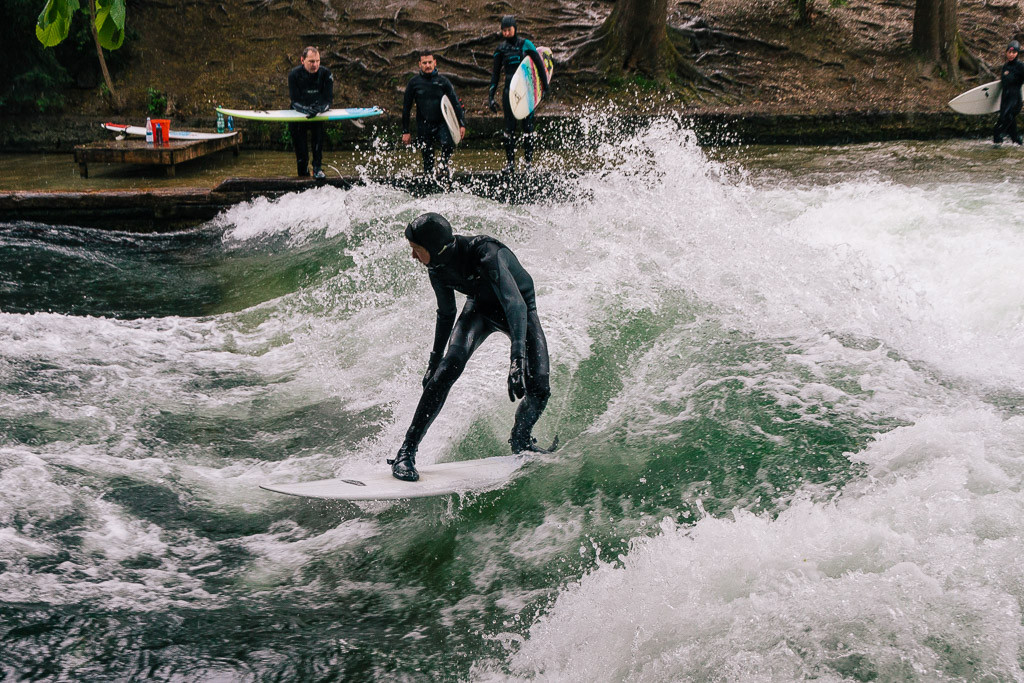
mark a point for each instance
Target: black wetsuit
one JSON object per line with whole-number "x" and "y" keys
{"x": 426, "y": 90}
{"x": 310, "y": 93}
{"x": 507, "y": 57}
{"x": 1010, "y": 103}
{"x": 500, "y": 298}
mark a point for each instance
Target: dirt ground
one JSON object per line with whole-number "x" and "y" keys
{"x": 853, "y": 57}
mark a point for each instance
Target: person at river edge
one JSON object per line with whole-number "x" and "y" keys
{"x": 509, "y": 54}
{"x": 311, "y": 88}
{"x": 500, "y": 298}
{"x": 426, "y": 89}
{"x": 1010, "y": 103}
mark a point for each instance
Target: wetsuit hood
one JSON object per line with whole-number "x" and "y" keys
{"x": 1013, "y": 45}
{"x": 432, "y": 232}
{"x": 509, "y": 21}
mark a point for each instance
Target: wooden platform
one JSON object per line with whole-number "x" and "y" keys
{"x": 138, "y": 151}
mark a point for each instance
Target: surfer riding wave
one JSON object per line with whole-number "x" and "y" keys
{"x": 500, "y": 298}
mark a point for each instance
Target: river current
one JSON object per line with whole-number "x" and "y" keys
{"x": 787, "y": 383}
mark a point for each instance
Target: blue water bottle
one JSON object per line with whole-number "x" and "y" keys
{"x": 231, "y": 124}
{"x": 220, "y": 122}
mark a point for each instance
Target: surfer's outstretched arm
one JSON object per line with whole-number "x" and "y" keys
{"x": 445, "y": 321}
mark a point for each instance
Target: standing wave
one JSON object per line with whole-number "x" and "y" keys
{"x": 790, "y": 409}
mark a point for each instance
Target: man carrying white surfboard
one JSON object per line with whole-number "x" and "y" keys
{"x": 499, "y": 298}
{"x": 1009, "y": 106}
{"x": 425, "y": 90}
{"x": 311, "y": 88}
{"x": 508, "y": 55}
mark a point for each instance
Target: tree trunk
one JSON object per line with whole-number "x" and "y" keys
{"x": 635, "y": 39}
{"x": 935, "y": 38}
{"x": 99, "y": 53}
{"x": 803, "y": 12}
{"x": 640, "y": 30}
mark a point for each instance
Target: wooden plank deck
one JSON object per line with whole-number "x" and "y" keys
{"x": 138, "y": 151}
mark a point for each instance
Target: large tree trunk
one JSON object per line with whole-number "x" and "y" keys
{"x": 935, "y": 38}
{"x": 640, "y": 31}
{"x": 635, "y": 39}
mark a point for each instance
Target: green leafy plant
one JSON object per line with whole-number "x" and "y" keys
{"x": 108, "y": 17}
{"x": 35, "y": 90}
{"x": 32, "y": 79}
{"x": 156, "y": 101}
{"x": 646, "y": 84}
{"x": 106, "y": 21}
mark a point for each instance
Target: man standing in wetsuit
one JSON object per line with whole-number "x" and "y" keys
{"x": 426, "y": 89}
{"x": 500, "y": 298}
{"x": 1010, "y": 101}
{"x": 311, "y": 88}
{"x": 508, "y": 56}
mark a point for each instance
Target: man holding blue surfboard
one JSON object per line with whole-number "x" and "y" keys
{"x": 1009, "y": 106}
{"x": 499, "y": 298}
{"x": 509, "y": 54}
{"x": 426, "y": 90}
{"x": 311, "y": 88}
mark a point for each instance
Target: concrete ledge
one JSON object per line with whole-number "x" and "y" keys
{"x": 182, "y": 208}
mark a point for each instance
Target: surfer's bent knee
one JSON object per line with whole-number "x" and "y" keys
{"x": 451, "y": 366}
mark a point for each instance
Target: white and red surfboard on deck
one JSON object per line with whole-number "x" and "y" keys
{"x": 174, "y": 135}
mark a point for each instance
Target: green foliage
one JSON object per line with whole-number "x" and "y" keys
{"x": 646, "y": 84}
{"x": 633, "y": 83}
{"x": 156, "y": 101}
{"x": 54, "y": 22}
{"x": 32, "y": 78}
{"x": 36, "y": 90}
{"x": 110, "y": 15}
{"x": 335, "y": 136}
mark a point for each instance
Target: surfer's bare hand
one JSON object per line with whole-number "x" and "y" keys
{"x": 406, "y": 138}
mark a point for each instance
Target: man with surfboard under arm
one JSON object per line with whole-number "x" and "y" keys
{"x": 311, "y": 88}
{"x": 508, "y": 55}
{"x": 426, "y": 89}
{"x": 1010, "y": 103}
{"x": 499, "y": 298}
